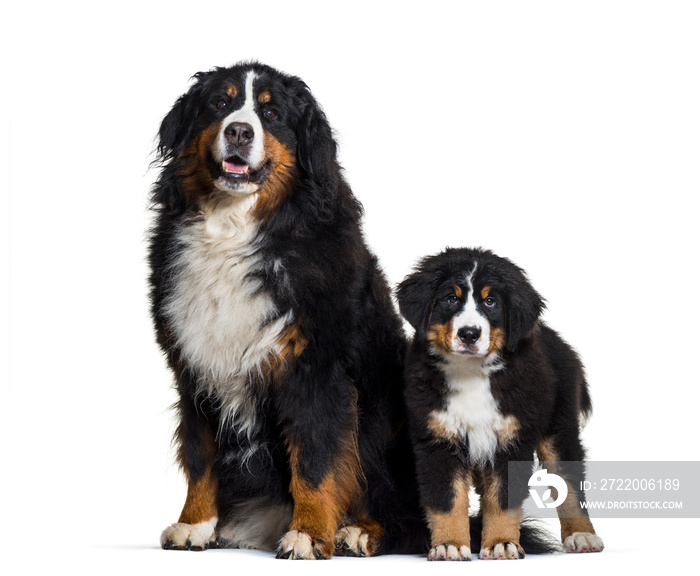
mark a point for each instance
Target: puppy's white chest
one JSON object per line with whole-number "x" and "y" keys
{"x": 471, "y": 411}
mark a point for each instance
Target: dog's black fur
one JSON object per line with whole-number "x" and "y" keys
{"x": 315, "y": 441}
{"x": 487, "y": 382}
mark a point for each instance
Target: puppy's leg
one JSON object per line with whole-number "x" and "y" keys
{"x": 197, "y": 448}
{"x": 444, "y": 481}
{"x": 566, "y": 456}
{"x": 500, "y": 538}
{"x": 449, "y": 525}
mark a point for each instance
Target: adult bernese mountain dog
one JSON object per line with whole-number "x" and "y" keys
{"x": 279, "y": 328}
{"x": 487, "y": 382}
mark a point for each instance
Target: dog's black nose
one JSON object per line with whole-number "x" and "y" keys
{"x": 239, "y": 133}
{"x": 469, "y": 334}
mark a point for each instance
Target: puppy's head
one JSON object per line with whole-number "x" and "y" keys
{"x": 243, "y": 130}
{"x": 469, "y": 302}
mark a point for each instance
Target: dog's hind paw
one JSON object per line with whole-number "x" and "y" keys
{"x": 354, "y": 541}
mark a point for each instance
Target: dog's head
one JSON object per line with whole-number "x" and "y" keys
{"x": 469, "y": 302}
{"x": 239, "y": 131}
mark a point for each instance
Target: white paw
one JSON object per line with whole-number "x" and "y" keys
{"x": 583, "y": 542}
{"x": 502, "y": 551}
{"x": 352, "y": 541}
{"x": 296, "y": 545}
{"x": 450, "y": 552}
{"x": 181, "y": 536}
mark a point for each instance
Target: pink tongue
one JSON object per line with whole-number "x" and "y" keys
{"x": 238, "y": 168}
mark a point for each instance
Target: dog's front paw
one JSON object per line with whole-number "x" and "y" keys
{"x": 450, "y": 552}
{"x": 354, "y": 541}
{"x": 182, "y": 536}
{"x": 502, "y": 551}
{"x": 583, "y": 542}
{"x": 297, "y": 545}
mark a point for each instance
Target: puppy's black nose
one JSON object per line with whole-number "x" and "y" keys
{"x": 239, "y": 133}
{"x": 469, "y": 334}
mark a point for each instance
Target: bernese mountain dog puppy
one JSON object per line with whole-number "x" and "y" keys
{"x": 487, "y": 382}
{"x": 278, "y": 326}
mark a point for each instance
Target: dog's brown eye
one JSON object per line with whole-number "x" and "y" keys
{"x": 221, "y": 104}
{"x": 453, "y": 300}
{"x": 269, "y": 113}
{"x": 490, "y": 302}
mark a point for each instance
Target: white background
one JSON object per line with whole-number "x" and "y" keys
{"x": 564, "y": 135}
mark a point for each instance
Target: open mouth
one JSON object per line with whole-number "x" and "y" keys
{"x": 236, "y": 170}
{"x": 235, "y": 167}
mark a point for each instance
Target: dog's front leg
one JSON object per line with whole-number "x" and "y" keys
{"x": 320, "y": 423}
{"x": 500, "y": 538}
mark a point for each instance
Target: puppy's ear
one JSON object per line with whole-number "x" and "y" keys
{"x": 523, "y": 306}
{"x": 415, "y": 296}
{"x": 316, "y": 148}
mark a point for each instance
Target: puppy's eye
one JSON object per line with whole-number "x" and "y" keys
{"x": 269, "y": 113}
{"x": 490, "y": 302}
{"x": 453, "y": 300}
{"x": 221, "y": 104}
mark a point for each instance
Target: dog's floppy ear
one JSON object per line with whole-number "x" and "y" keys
{"x": 173, "y": 137}
{"x": 415, "y": 296}
{"x": 316, "y": 148}
{"x": 176, "y": 128}
{"x": 523, "y": 306}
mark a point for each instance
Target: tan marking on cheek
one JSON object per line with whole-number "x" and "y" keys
{"x": 485, "y": 291}
{"x": 197, "y": 183}
{"x": 264, "y": 97}
{"x": 440, "y": 336}
{"x": 231, "y": 90}
{"x": 282, "y": 173}
{"x": 508, "y": 431}
{"x": 452, "y": 527}
{"x": 497, "y": 340}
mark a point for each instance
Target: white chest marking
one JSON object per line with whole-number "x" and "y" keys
{"x": 220, "y": 315}
{"x": 472, "y": 411}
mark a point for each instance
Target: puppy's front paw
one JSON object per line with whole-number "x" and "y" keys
{"x": 450, "y": 552}
{"x": 502, "y": 551}
{"x": 583, "y": 542}
{"x": 297, "y": 545}
{"x": 182, "y": 536}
